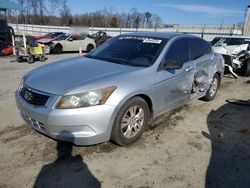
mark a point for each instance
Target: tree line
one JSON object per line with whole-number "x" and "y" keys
{"x": 57, "y": 12}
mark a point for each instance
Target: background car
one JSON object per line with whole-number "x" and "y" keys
{"x": 231, "y": 42}
{"x": 100, "y": 37}
{"x": 6, "y": 33}
{"x": 72, "y": 43}
{"x": 236, "y": 52}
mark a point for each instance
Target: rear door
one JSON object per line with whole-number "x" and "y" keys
{"x": 200, "y": 53}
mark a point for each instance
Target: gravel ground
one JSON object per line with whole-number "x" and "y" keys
{"x": 203, "y": 144}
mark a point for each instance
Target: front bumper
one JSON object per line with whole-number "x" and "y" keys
{"x": 83, "y": 126}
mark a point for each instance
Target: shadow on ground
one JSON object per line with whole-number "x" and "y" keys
{"x": 229, "y": 132}
{"x": 66, "y": 171}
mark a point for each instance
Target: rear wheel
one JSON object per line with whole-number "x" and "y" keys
{"x": 211, "y": 92}
{"x": 90, "y": 47}
{"x": 130, "y": 122}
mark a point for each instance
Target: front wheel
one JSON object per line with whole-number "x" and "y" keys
{"x": 57, "y": 49}
{"x": 31, "y": 59}
{"x": 245, "y": 69}
{"x": 211, "y": 92}
{"x": 130, "y": 122}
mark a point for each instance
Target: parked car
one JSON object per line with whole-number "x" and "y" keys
{"x": 50, "y": 35}
{"x": 6, "y": 33}
{"x": 235, "y": 51}
{"x": 100, "y": 37}
{"x": 115, "y": 90}
{"x": 49, "y": 45}
{"x": 72, "y": 43}
{"x": 230, "y": 42}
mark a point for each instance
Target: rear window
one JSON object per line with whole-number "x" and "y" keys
{"x": 198, "y": 48}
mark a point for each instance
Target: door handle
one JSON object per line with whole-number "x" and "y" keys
{"x": 189, "y": 68}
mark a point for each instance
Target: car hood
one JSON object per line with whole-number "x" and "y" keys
{"x": 42, "y": 37}
{"x": 61, "y": 77}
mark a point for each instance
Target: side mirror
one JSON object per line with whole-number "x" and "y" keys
{"x": 171, "y": 64}
{"x": 70, "y": 39}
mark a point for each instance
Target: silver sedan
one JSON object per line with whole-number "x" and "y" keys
{"x": 115, "y": 90}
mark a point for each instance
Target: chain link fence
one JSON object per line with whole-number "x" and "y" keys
{"x": 207, "y": 32}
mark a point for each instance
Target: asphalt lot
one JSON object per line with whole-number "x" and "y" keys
{"x": 200, "y": 144}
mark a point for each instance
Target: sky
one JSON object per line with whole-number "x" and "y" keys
{"x": 173, "y": 11}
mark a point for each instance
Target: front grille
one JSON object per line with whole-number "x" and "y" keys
{"x": 33, "y": 122}
{"x": 33, "y": 97}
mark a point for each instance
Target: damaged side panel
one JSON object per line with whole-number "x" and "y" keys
{"x": 188, "y": 83}
{"x": 206, "y": 68}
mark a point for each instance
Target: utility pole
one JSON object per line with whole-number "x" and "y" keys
{"x": 246, "y": 31}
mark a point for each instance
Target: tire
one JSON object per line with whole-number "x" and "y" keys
{"x": 57, "y": 49}
{"x": 42, "y": 58}
{"x": 90, "y": 47}
{"x": 245, "y": 69}
{"x": 212, "y": 91}
{"x": 134, "y": 115}
{"x": 31, "y": 59}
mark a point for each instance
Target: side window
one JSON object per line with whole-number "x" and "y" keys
{"x": 178, "y": 51}
{"x": 198, "y": 48}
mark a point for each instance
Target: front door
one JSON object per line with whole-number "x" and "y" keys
{"x": 173, "y": 87}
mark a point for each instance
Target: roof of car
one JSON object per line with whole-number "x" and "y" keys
{"x": 247, "y": 37}
{"x": 165, "y": 35}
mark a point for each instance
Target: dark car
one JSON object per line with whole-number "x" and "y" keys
{"x": 6, "y": 33}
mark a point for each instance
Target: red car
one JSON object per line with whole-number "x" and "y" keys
{"x": 51, "y": 35}
{"x": 7, "y": 50}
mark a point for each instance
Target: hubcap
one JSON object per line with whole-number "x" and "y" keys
{"x": 214, "y": 87}
{"x": 132, "y": 121}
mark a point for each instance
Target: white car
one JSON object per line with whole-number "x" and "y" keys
{"x": 231, "y": 43}
{"x": 72, "y": 43}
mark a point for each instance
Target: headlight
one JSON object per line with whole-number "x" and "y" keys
{"x": 89, "y": 98}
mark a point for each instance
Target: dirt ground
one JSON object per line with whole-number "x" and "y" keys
{"x": 203, "y": 144}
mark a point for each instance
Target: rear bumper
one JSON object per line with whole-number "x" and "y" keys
{"x": 83, "y": 126}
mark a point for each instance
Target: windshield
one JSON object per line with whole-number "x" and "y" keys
{"x": 61, "y": 37}
{"x": 53, "y": 34}
{"x": 130, "y": 50}
{"x": 230, "y": 41}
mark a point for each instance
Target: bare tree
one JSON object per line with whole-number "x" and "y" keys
{"x": 46, "y": 11}
{"x": 65, "y": 14}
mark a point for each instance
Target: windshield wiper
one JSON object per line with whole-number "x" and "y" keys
{"x": 115, "y": 61}
{"x": 106, "y": 59}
